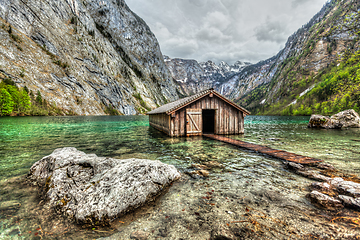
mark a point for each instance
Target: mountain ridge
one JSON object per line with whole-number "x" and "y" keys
{"x": 84, "y": 56}
{"x": 93, "y": 58}
{"x": 293, "y": 76}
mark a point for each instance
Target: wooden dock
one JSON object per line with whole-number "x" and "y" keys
{"x": 287, "y": 156}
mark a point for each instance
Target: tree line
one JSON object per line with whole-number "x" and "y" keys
{"x": 15, "y": 101}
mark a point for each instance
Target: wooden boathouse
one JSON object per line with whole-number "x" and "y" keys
{"x": 205, "y": 112}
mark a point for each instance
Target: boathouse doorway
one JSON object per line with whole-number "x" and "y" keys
{"x": 205, "y": 112}
{"x": 208, "y": 119}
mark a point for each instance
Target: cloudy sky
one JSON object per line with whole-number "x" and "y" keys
{"x": 224, "y": 30}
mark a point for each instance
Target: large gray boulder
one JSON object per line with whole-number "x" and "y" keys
{"x": 95, "y": 190}
{"x": 320, "y": 121}
{"x": 345, "y": 119}
{"x": 348, "y": 118}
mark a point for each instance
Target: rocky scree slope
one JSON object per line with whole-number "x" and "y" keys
{"x": 317, "y": 71}
{"x": 84, "y": 55}
{"x": 194, "y": 77}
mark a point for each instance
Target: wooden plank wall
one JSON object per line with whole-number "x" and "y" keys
{"x": 160, "y": 122}
{"x": 228, "y": 120}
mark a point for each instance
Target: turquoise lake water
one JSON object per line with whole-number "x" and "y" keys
{"x": 25, "y": 140}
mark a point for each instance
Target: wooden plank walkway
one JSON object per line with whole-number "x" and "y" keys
{"x": 287, "y": 156}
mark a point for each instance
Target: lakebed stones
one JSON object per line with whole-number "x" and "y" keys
{"x": 329, "y": 193}
{"x": 324, "y": 200}
{"x": 347, "y": 192}
{"x": 321, "y": 186}
{"x": 346, "y": 187}
{"x": 350, "y": 201}
{"x": 95, "y": 190}
{"x": 221, "y": 232}
{"x": 345, "y": 119}
{"x": 139, "y": 235}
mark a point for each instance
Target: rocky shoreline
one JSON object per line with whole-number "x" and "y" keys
{"x": 329, "y": 192}
{"x": 78, "y": 186}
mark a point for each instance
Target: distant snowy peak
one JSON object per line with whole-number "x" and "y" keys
{"x": 224, "y": 67}
{"x": 194, "y": 76}
{"x": 239, "y": 66}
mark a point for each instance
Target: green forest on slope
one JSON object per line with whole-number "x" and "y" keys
{"x": 16, "y": 101}
{"x": 332, "y": 89}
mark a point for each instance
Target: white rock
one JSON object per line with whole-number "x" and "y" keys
{"x": 88, "y": 188}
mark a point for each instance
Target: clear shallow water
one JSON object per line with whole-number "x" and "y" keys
{"x": 26, "y": 140}
{"x": 338, "y": 147}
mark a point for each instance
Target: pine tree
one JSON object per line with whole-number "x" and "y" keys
{"x": 39, "y": 98}
{"x": 15, "y": 95}
{"x": 25, "y": 101}
{"x": 6, "y": 103}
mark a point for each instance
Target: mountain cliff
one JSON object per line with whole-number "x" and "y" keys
{"x": 84, "y": 56}
{"x": 317, "y": 71}
{"x": 92, "y": 57}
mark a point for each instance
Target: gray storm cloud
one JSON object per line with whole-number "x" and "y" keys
{"x": 224, "y": 30}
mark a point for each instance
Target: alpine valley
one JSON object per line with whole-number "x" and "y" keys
{"x": 317, "y": 71}
{"x": 90, "y": 57}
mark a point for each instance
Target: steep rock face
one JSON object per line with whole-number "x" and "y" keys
{"x": 84, "y": 55}
{"x": 249, "y": 79}
{"x": 295, "y": 81}
{"x": 296, "y": 75}
{"x": 194, "y": 77}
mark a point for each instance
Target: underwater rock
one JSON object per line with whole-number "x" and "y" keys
{"x": 95, "y": 190}
{"x": 305, "y": 172}
{"x": 350, "y": 201}
{"x": 324, "y": 200}
{"x": 319, "y": 121}
{"x": 220, "y": 232}
{"x": 213, "y": 164}
{"x": 313, "y": 175}
{"x": 326, "y": 166}
{"x": 204, "y": 173}
{"x": 348, "y": 118}
{"x": 346, "y": 187}
{"x": 139, "y": 235}
{"x": 294, "y": 166}
{"x": 321, "y": 186}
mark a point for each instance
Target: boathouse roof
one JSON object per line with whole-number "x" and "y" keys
{"x": 174, "y": 106}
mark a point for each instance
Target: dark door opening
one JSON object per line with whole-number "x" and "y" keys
{"x": 208, "y": 119}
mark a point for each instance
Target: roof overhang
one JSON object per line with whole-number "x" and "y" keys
{"x": 189, "y": 100}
